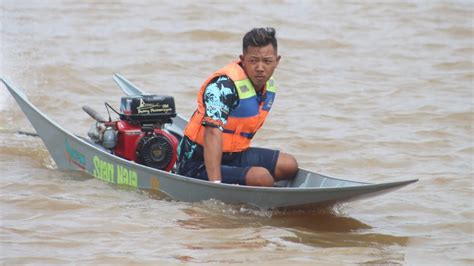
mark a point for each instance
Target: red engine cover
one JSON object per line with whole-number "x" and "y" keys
{"x": 129, "y": 136}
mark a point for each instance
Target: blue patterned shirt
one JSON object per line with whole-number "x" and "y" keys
{"x": 220, "y": 98}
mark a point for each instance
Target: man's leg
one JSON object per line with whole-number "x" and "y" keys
{"x": 258, "y": 176}
{"x": 268, "y": 166}
{"x": 230, "y": 174}
{"x": 256, "y": 167}
{"x": 286, "y": 167}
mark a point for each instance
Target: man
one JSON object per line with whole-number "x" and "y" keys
{"x": 232, "y": 105}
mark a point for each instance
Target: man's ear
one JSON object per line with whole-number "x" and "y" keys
{"x": 241, "y": 57}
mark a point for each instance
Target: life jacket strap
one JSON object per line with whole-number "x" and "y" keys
{"x": 243, "y": 134}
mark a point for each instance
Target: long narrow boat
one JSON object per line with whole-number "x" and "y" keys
{"x": 71, "y": 152}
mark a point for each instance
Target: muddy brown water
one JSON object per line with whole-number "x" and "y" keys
{"x": 375, "y": 92}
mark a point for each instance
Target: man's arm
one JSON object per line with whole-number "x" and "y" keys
{"x": 213, "y": 152}
{"x": 219, "y": 99}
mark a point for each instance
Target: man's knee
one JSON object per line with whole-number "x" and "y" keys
{"x": 259, "y": 176}
{"x": 287, "y": 167}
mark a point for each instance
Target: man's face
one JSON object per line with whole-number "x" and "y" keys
{"x": 259, "y": 64}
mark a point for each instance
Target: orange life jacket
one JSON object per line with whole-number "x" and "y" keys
{"x": 247, "y": 117}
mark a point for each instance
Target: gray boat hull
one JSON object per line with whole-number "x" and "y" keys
{"x": 307, "y": 190}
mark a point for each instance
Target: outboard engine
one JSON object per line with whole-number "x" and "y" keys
{"x": 139, "y": 135}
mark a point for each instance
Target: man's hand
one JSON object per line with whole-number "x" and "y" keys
{"x": 213, "y": 152}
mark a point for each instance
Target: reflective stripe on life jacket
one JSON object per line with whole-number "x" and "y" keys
{"x": 247, "y": 117}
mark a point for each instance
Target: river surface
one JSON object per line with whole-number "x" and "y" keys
{"x": 374, "y": 92}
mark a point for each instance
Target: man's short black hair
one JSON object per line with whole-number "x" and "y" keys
{"x": 260, "y": 37}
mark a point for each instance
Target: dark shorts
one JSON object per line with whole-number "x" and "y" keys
{"x": 235, "y": 165}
